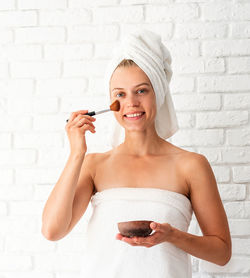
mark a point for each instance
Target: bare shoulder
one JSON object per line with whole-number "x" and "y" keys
{"x": 192, "y": 160}
{"x": 93, "y": 160}
{"x": 198, "y": 173}
{"x": 192, "y": 165}
{"x": 96, "y": 158}
{"x": 188, "y": 160}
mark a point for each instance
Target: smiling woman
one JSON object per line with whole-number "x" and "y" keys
{"x": 150, "y": 61}
{"x": 136, "y": 96}
{"x": 143, "y": 177}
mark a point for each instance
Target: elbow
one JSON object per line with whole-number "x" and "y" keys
{"x": 224, "y": 262}
{"x": 226, "y": 257}
{"x": 49, "y": 234}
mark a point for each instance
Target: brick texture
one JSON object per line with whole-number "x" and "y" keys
{"x": 52, "y": 60}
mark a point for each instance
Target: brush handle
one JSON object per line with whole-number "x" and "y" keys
{"x": 89, "y": 113}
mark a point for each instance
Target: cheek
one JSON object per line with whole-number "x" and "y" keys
{"x": 118, "y": 117}
{"x": 151, "y": 103}
{"x": 152, "y": 108}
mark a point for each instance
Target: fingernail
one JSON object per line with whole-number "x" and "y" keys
{"x": 153, "y": 225}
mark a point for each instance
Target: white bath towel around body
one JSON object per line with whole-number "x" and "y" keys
{"x": 107, "y": 257}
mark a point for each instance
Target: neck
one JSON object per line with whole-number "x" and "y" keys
{"x": 142, "y": 143}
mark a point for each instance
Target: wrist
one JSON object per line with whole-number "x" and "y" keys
{"x": 77, "y": 155}
{"x": 173, "y": 235}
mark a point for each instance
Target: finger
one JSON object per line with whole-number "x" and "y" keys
{"x": 87, "y": 116}
{"x": 133, "y": 240}
{"x": 81, "y": 117}
{"x": 136, "y": 241}
{"x": 76, "y": 113}
{"x": 85, "y": 126}
{"x": 142, "y": 241}
{"x": 152, "y": 236}
{"x": 119, "y": 236}
{"x": 83, "y": 121}
{"x": 88, "y": 127}
{"x": 129, "y": 241}
{"x": 155, "y": 226}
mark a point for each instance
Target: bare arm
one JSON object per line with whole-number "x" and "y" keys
{"x": 71, "y": 194}
{"x": 215, "y": 244}
{"x": 69, "y": 197}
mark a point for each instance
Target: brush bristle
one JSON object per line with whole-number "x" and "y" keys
{"x": 115, "y": 106}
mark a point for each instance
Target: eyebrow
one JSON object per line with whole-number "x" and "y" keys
{"x": 144, "y": 83}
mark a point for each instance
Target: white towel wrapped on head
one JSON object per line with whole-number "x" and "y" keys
{"x": 146, "y": 49}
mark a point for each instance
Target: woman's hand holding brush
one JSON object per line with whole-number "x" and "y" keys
{"x": 81, "y": 121}
{"x": 76, "y": 127}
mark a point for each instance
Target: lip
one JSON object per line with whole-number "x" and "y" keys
{"x": 133, "y": 112}
{"x": 134, "y": 118}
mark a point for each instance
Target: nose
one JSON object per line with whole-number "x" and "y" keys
{"x": 132, "y": 100}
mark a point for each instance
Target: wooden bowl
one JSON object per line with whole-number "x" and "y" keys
{"x": 140, "y": 228}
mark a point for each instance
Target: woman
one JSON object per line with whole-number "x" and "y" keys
{"x": 144, "y": 177}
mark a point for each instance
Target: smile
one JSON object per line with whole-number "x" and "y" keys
{"x": 134, "y": 116}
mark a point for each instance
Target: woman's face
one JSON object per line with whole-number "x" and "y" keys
{"x": 132, "y": 87}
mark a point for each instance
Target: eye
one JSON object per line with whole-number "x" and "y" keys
{"x": 119, "y": 94}
{"x": 143, "y": 90}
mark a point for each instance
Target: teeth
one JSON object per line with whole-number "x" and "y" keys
{"x": 133, "y": 115}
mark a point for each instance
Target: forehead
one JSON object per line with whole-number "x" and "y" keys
{"x": 128, "y": 77}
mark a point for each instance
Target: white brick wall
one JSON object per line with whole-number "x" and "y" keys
{"x": 52, "y": 60}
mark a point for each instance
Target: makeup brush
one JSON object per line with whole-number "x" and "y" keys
{"x": 115, "y": 106}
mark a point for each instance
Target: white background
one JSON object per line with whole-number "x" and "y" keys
{"x": 53, "y": 55}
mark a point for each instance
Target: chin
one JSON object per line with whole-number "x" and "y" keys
{"x": 130, "y": 127}
{"x": 134, "y": 128}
